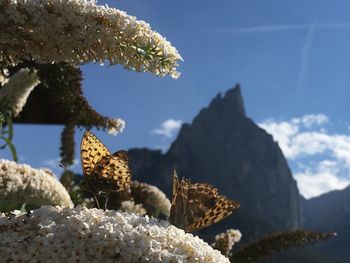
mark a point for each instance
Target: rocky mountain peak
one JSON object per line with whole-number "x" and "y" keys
{"x": 229, "y": 103}
{"x": 225, "y": 148}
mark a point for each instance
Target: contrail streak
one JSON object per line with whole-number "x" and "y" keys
{"x": 264, "y": 29}
{"x": 276, "y": 28}
{"x": 311, "y": 28}
{"x": 334, "y": 26}
{"x": 305, "y": 56}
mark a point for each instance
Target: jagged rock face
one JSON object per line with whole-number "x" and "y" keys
{"x": 225, "y": 148}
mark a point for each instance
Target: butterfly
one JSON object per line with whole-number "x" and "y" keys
{"x": 104, "y": 172}
{"x": 195, "y": 206}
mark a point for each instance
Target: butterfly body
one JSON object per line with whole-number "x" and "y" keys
{"x": 104, "y": 172}
{"x": 195, "y": 206}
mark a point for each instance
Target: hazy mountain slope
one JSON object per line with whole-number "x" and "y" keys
{"x": 330, "y": 212}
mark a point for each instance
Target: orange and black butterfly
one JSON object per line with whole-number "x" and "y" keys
{"x": 103, "y": 172}
{"x": 195, "y": 206}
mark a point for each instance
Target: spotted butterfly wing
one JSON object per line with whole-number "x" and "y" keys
{"x": 104, "y": 172}
{"x": 91, "y": 152}
{"x": 123, "y": 170}
{"x": 195, "y": 206}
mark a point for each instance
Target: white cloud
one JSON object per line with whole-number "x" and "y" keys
{"x": 322, "y": 159}
{"x": 316, "y": 178}
{"x": 301, "y": 136}
{"x": 168, "y": 128}
{"x": 163, "y": 148}
{"x": 282, "y": 132}
{"x": 312, "y": 184}
{"x": 310, "y": 120}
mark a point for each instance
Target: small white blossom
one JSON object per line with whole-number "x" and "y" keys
{"x": 78, "y": 32}
{"x": 115, "y": 126}
{"x": 225, "y": 241}
{"x": 20, "y": 183}
{"x": 14, "y": 94}
{"x": 52, "y": 234}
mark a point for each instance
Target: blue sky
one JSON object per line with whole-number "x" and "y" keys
{"x": 291, "y": 58}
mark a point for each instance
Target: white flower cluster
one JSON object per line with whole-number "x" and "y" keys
{"x": 131, "y": 207}
{"x": 14, "y": 94}
{"x": 225, "y": 241}
{"x": 79, "y": 31}
{"x": 151, "y": 197}
{"x": 115, "y": 126}
{"x": 52, "y": 234}
{"x": 20, "y": 183}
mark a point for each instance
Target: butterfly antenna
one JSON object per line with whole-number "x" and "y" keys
{"x": 175, "y": 174}
{"x": 106, "y": 201}
{"x": 97, "y": 203}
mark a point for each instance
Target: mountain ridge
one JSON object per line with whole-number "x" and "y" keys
{"x": 330, "y": 212}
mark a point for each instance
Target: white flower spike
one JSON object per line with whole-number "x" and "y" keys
{"x": 52, "y": 234}
{"x": 20, "y": 183}
{"x": 80, "y": 31}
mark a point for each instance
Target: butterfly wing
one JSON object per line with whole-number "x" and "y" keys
{"x": 178, "y": 204}
{"x": 210, "y": 211}
{"x": 196, "y": 206}
{"x": 122, "y": 170}
{"x": 175, "y": 185}
{"x": 176, "y": 208}
{"x": 91, "y": 152}
{"x": 112, "y": 173}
